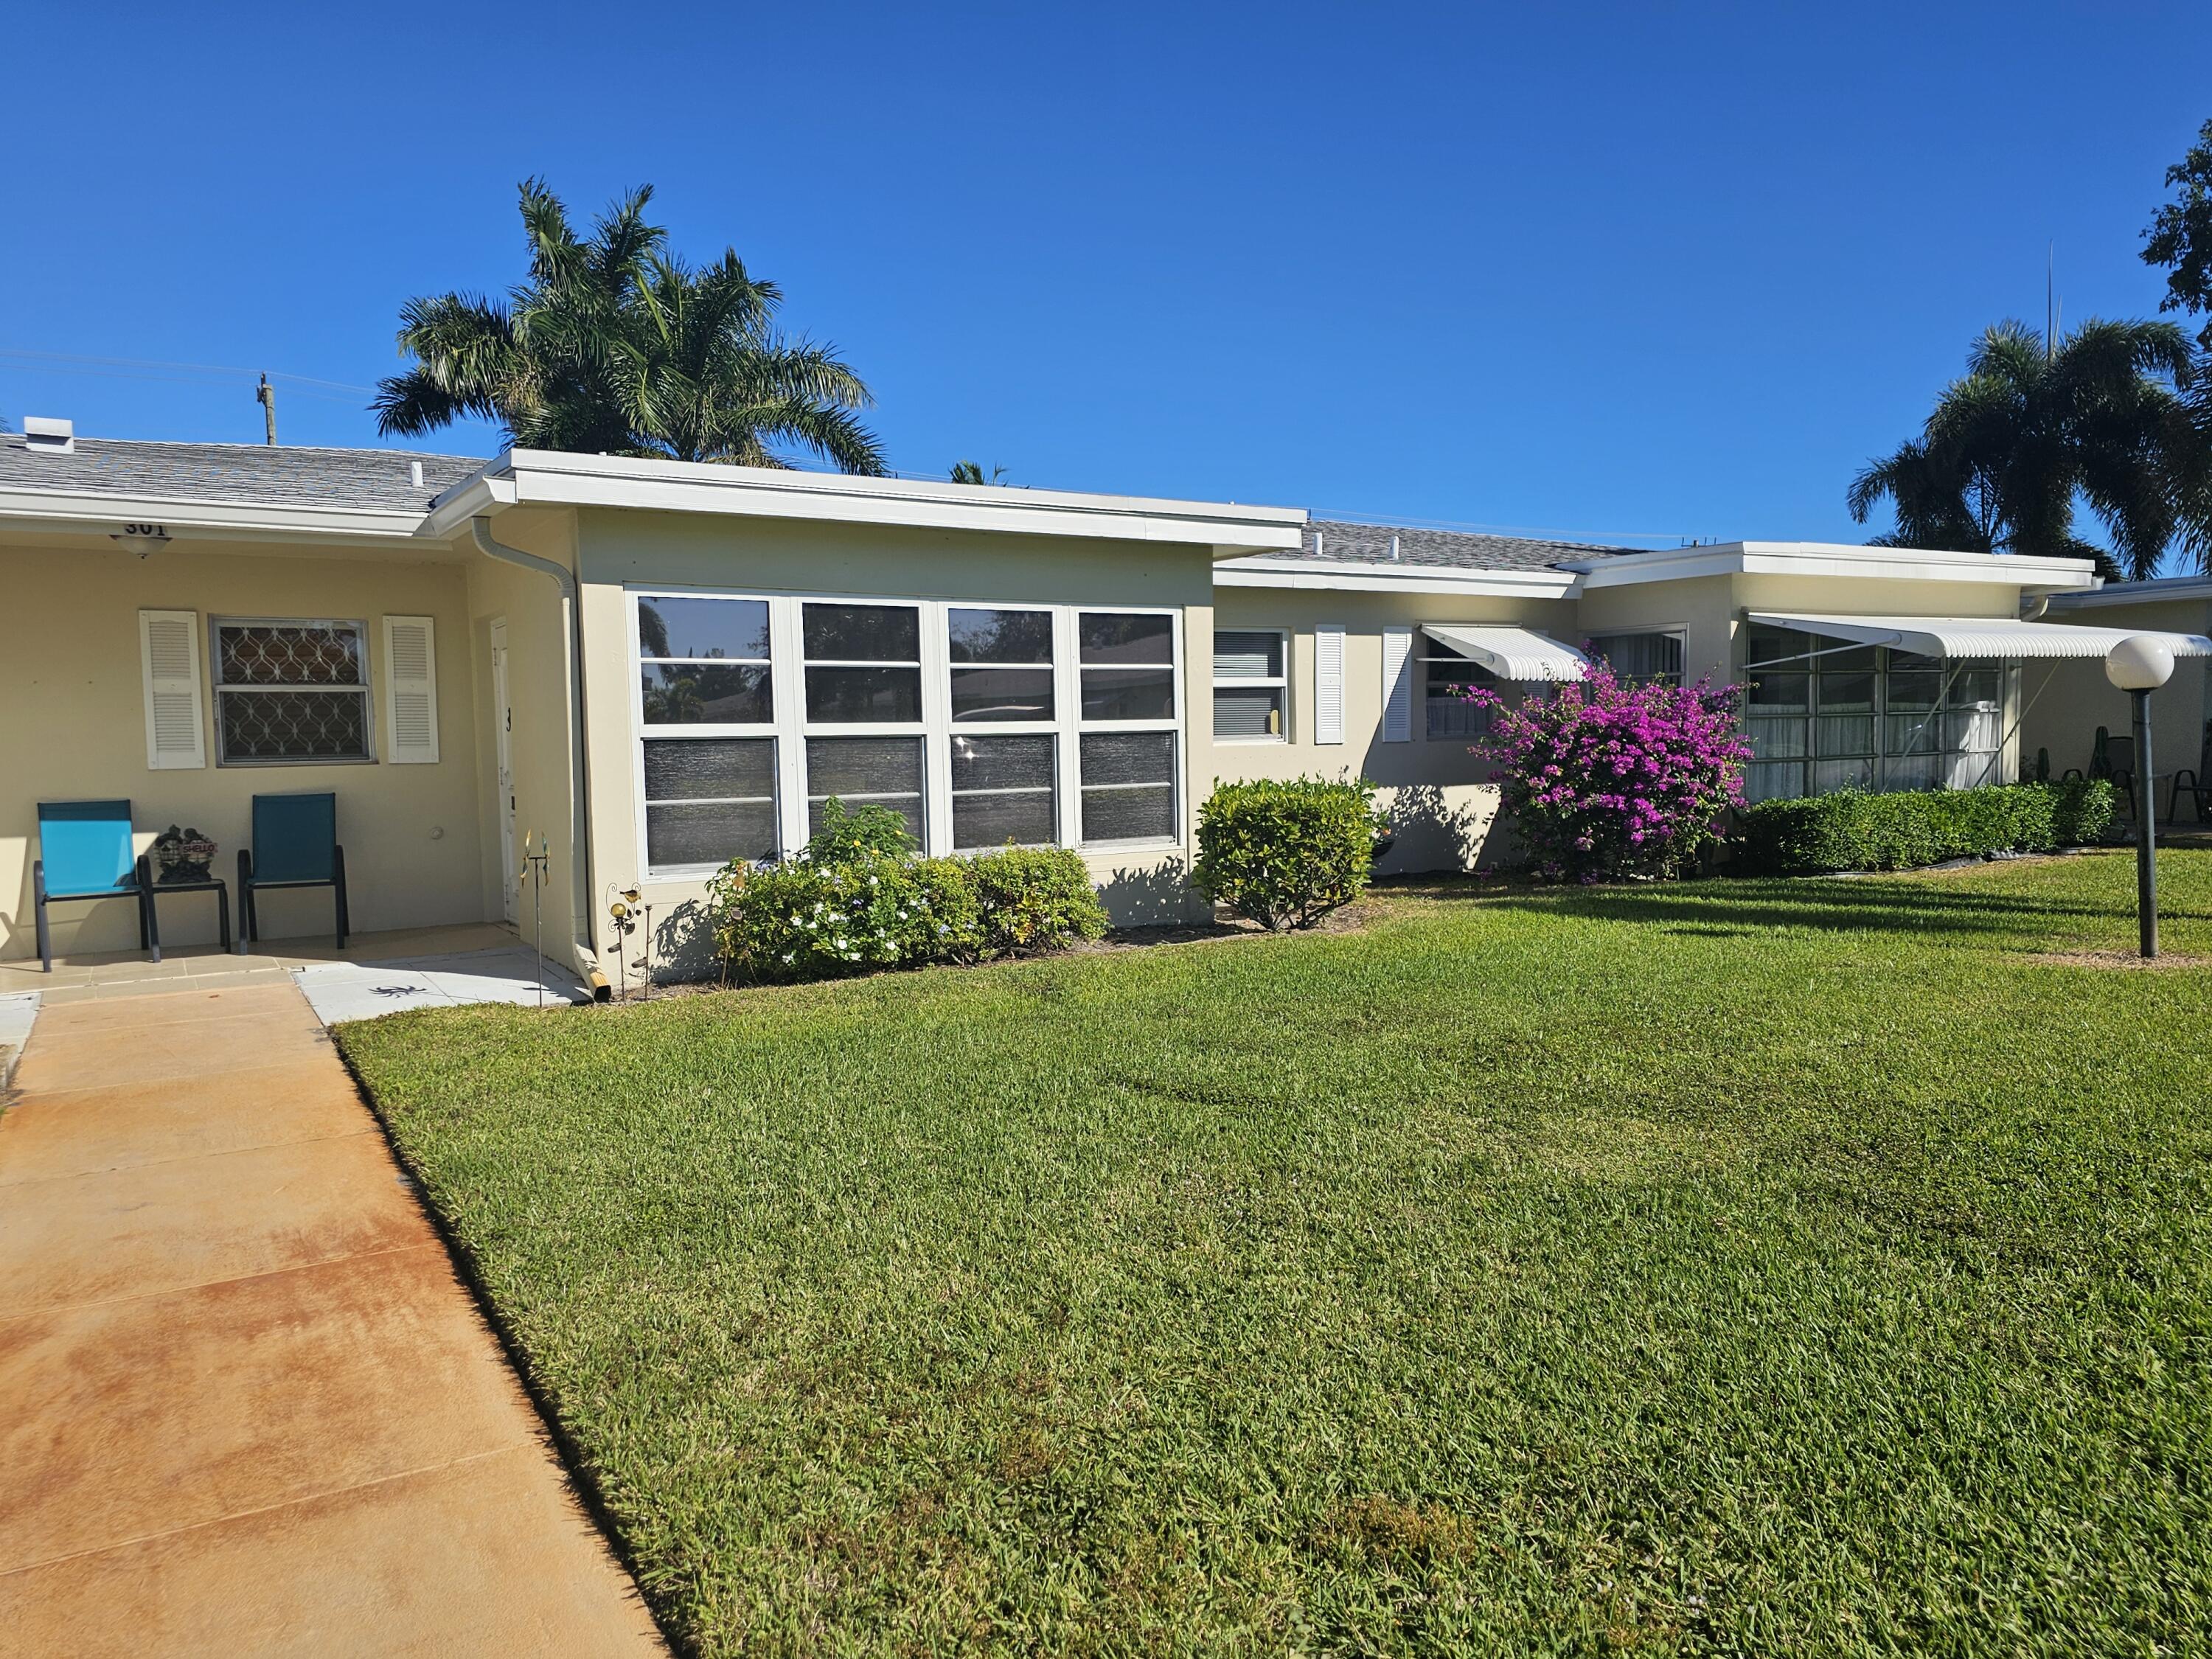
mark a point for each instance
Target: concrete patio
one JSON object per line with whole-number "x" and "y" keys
{"x": 376, "y": 974}
{"x": 252, "y": 1409}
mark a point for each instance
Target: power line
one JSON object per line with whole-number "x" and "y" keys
{"x": 132, "y": 367}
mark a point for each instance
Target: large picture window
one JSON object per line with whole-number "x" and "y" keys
{"x": 291, "y": 691}
{"x": 980, "y": 726}
{"x": 1825, "y": 714}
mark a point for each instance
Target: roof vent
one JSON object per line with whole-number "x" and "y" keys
{"x": 415, "y": 474}
{"x": 43, "y": 435}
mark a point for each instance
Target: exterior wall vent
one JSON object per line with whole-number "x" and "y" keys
{"x": 43, "y": 435}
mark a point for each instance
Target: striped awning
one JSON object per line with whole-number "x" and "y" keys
{"x": 1511, "y": 653}
{"x": 1967, "y": 637}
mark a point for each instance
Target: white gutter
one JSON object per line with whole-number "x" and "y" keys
{"x": 586, "y": 958}
{"x": 233, "y": 521}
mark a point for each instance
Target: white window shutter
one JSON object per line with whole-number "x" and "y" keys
{"x": 1397, "y": 685}
{"x": 1328, "y": 683}
{"x": 169, "y": 653}
{"x": 411, "y": 690}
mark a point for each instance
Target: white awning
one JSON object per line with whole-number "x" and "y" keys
{"x": 1511, "y": 653}
{"x": 1979, "y": 636}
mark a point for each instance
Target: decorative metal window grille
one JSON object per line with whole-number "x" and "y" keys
{"x": 291, "y": 692}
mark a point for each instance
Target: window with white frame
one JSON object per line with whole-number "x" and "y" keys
{"x": 1447, "y": 675}
{"x": 1128, "y": 754}
{"x": 1824, "y": 713}
{"x": 1003, "y": 753}
{"x": 707, "y": 713}
{"x": 1644, "y": 657}
{"x": 980, "y": 724}
{"x": 291, "y": 691}
{"x": 1250, "y": 685}
{"x": 864, "y": 723}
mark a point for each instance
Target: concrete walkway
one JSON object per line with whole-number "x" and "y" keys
{"x": 246, "y": 1407}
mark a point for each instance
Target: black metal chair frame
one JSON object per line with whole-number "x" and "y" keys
{"x": 2122, "y": 778}
{"x": 2199, "y": 786}
{"x": 249, "y": 913}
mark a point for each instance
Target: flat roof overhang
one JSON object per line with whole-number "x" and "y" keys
{"x": 537, "y": 477}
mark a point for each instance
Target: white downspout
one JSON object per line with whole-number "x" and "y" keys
{"x": 586, "y": 958}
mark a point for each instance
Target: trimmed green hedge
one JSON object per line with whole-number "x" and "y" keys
{"x": 1851, "y": 830}
{"x": 1286, "y": 852}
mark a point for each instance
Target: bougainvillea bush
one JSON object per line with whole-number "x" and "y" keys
{"x": 1608, "y": 780}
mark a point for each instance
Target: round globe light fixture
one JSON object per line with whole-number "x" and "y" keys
{"x": 2139, "y": 662}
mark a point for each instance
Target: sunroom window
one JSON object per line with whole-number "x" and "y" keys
{"x": 864, "y": 670}
{"x": 291, "y": 691}
{"x": 1003, "y": 754}
{"x": 1127, "y": 756}
{"x": 979, "y": 725}
{"x": 707, "y": 708}
{"x": 1249, "y": 685}
{"x": 1824, "y": 713}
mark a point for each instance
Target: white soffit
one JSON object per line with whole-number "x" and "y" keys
{"x": 1511, "y": 653}
{"x": 1978, "y": 636}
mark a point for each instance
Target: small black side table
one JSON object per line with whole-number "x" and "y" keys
{"x": 154, "y": 890}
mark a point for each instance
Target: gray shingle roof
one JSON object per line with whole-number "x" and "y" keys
{"x": 1341, "y": 542}
{"x": 365, "y": 480}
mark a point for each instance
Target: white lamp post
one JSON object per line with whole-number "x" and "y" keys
{"x": 2139, "y": 665}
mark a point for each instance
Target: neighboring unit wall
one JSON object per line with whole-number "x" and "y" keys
{"x": 1436, "y": 789}
{"x": 2068, "y": 701}
{"x": 71, "y": 681}
{"x": 628, "y": 549}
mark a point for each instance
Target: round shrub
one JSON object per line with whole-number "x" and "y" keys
{"x": 806, "y": 920}
{"x": 1034, "y": 899}
{"x": 1285, "y": 854}
{"x": 1607, "y": 779}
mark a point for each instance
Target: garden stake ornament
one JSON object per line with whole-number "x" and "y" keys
{"x": 534, "y": 861}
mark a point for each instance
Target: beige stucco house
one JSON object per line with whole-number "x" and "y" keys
{"x": 645, "y": 669}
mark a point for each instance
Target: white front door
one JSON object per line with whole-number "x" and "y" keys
{"x": 502, "y": 714}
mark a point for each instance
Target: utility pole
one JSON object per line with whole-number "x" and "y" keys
{"x": 266, "y": 396}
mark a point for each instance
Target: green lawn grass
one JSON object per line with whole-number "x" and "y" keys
{"x": 1774, "y": 1267}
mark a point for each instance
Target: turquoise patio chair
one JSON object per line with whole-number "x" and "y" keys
{"x": 84, "y": 854}
{"x": 295, "y": 844}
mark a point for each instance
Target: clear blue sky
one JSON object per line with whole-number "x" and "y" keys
{"x": 1662, "y": 270}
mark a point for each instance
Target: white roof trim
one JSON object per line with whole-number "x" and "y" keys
{"x": 1835, "y": 559}
{"x": 1979, "y": 636}
{"x": 1511, "y": 653}
{"x": 242, "y": 521}
{"x": 1363, "y": 577}
{"x": 537, "y": 475}
{"x": 2157, "y": 591}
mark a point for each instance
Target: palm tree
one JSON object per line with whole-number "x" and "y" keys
{"x": 614, "y": 346}
{"x": 2112, "y": 416}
